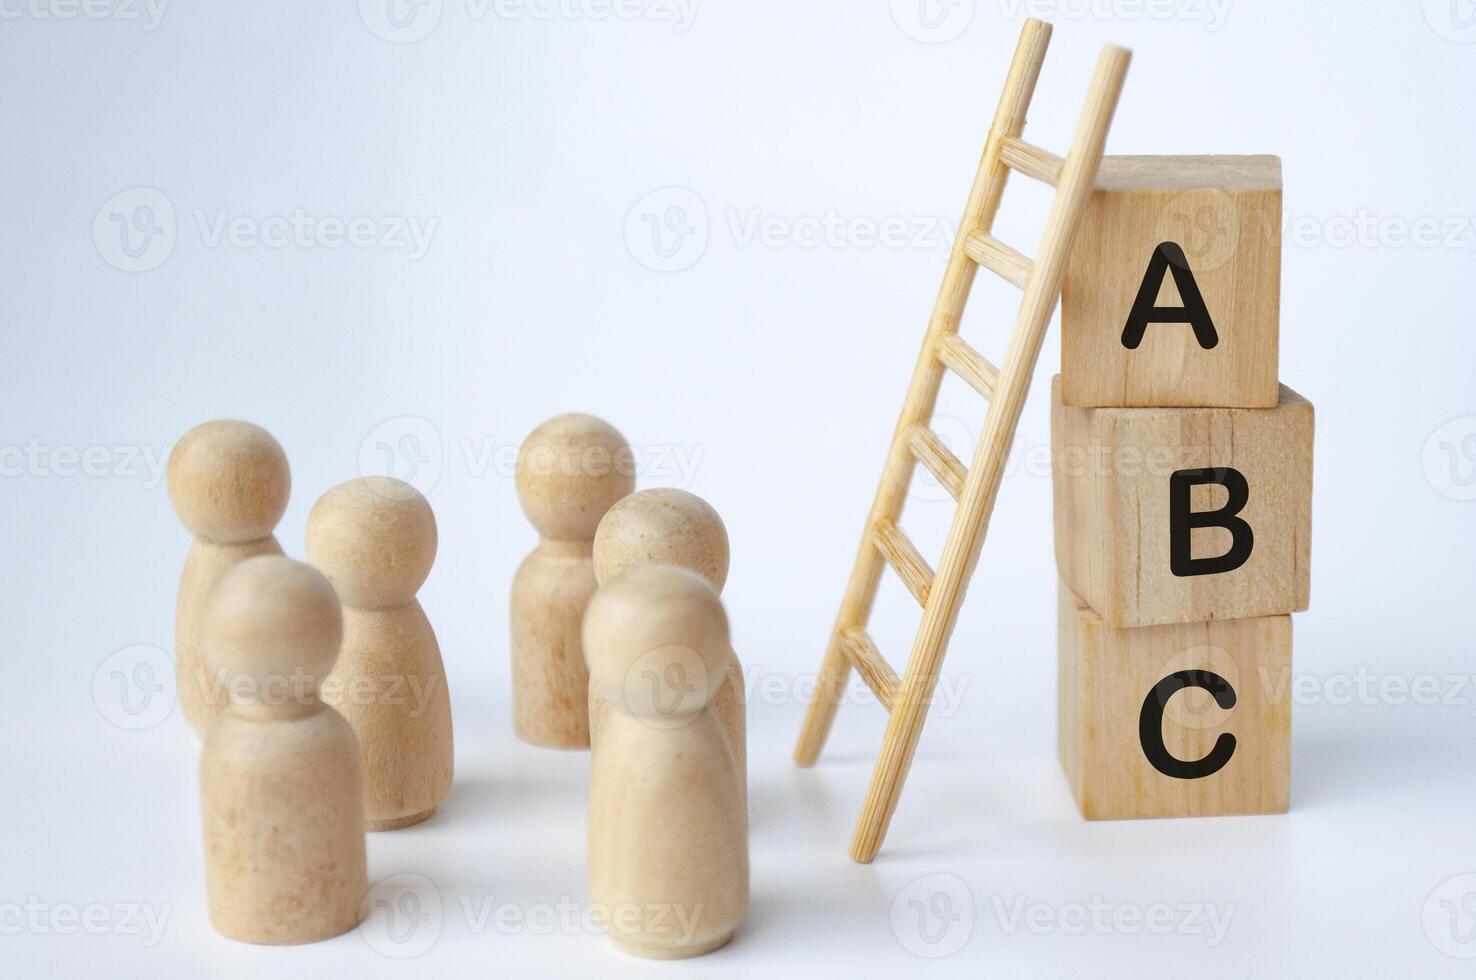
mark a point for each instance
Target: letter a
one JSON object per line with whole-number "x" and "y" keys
{"x": 1169, "y": 257}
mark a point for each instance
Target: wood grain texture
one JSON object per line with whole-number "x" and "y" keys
{"x": 667, "y": 526}
{"x": 1110, "y": 474}
{"x": 909, "y": 564}
{"x": 550, "y": 681}
{"x": 228, "y": 483}
{"x": 404, "y": 722}
{"x": 1006, "y": 388}
{"x": 1030, "y": 160}
{"x": 945, "y": 467}
{"x": 871, "y": 666}
{"x": 281, "y": 783}
{"x": 570, "y": 471}
{"x": 922, "y": 390}
{"x": 970, "y": 525}
{"x": 284, "y": 827}
{"x": 1104, "y": 676}
{"x": 1225, "y": 213}
{"x": 375, "y": 539}
{"x": 202, "y": 697}
{"x": 667, "y": 855}
{"x": 729, "y": 704}
{"x": 954, "y": 353}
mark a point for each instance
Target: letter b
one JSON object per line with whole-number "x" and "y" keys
{"x": 1183, "y": 520}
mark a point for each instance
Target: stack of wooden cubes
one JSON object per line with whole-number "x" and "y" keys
{"x": 1182, "y": 478}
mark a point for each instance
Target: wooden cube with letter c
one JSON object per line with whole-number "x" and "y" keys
{"x": 1172, "y": 292}
{"x": 1191, "y": 719}
{"x": 1181, "y": 515}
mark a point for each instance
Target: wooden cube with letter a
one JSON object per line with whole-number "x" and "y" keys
{"x": 1180, "y": 515}
{"x": 1172, "y": 292}
{"x": 1192, "y": 719}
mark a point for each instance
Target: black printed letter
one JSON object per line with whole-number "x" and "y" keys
{"x": 1182, "y": 521}
{"x": 1150, "y": 725}
{"x": 1169, "y": 257}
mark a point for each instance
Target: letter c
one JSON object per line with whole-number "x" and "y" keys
{"x": 1150, "y": 725}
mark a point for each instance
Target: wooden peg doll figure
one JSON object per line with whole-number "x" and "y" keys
{"x": 228, "y": 483}
{"x": 665, "y": 526}
{"x": 280, "y": 780}
{"x": 375, "y": 539}
{"x": 667, "y": 835}
{"x": 569, "y": 471}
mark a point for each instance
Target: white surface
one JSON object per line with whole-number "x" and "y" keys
{"x": 529, "y": 142}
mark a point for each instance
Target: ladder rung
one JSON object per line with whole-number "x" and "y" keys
{"x": 902, "y": 555}
{"x": 881, "y": 541}
{"x": 929, "y": 450}
{"x": 997, "y": 257}
{"x": 967, "y": 363}
{"x": 875, "y": 671}
{"x": 1029, "y": 160}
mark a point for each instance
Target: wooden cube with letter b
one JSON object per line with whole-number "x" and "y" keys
{"x": 1172, "y": 291}
{"x": 1189, "y": 719}
{"x": 1182, "y": 515}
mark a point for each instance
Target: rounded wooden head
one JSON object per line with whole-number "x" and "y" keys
{"x": 570, "y": 470}
{"x": 662, "y": 526}
{"x": 375, "y": 539}
{"x": 656, "y": 642}
{"x": 274, "y": 624}
{"x": 229, "y": 481}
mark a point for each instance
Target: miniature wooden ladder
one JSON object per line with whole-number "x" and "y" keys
{"x": 941, "y": 593}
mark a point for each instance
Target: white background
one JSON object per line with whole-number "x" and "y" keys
{"x": 536, "y": 145}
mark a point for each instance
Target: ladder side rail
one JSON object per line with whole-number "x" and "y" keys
{"x": 966, "y": 535}
{"x": 922, "y": 391}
